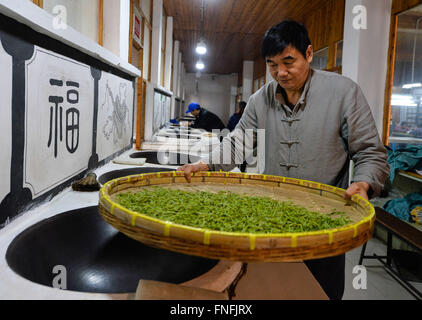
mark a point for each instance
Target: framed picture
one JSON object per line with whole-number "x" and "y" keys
{"x": 137, "y": 27}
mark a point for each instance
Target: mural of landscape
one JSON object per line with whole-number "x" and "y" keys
{"x": 61, "y": 115}
{"x": 115, "y": 114}
{"x": 161, "y": 110}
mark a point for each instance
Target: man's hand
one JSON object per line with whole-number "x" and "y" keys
{"x": 188, "y": 169}
{"x": 360, "y": 188}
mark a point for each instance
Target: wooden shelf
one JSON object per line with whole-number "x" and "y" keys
{"x": 407, "y": 231}
{"x": 411, "y": 175}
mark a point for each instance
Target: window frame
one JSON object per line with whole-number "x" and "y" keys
{"x": 398, "y": 7}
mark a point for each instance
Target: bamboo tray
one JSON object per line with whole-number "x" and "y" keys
{"x": 287, "y": 247}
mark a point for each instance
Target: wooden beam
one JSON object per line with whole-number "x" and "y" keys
{"x": 332, "y": 56}
{"x": 139, "y": 113}
{"x": 39, "y": 3}
{"x": 390, "y": 79}
{"x": 144, "y": 92}
{"x": 140, "y": 107}
{"x": 143, "y": 20}
{"x": 101, "y": 22}
{"x": 131, "y": 31}
{"x": 400, "y": 6}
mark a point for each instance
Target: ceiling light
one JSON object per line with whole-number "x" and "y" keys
{"x": 201, "y": 48}
{"x": 412, "y": 85}
{"x": 200, "y": 65}
{"x": 403, "y": 101}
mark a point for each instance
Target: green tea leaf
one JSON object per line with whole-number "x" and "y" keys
{"x": 229, "y": 212}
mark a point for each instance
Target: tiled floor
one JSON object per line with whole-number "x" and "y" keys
{"x": 380, "y": 285}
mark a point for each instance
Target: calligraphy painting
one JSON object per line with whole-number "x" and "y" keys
{"x": 59, "y": 119}
{"x": 115, "y": 115}
{"x": 5, "y": 121}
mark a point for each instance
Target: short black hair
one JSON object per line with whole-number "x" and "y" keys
{"x": 282, "y": 35}
{"x": 242, "y": 105}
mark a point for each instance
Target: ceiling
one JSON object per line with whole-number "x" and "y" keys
{"x": 233, "y": 29}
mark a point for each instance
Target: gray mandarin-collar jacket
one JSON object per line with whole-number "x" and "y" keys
{"x": 331, "y": 124}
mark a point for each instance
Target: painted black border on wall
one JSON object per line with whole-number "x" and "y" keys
{"x": 19, "y": 40}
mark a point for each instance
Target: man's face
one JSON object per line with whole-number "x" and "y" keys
{"x": 195, "y": 113}
{"x": 290, "y": 68}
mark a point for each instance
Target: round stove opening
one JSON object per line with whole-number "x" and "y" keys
{"x": 79, "y": 251}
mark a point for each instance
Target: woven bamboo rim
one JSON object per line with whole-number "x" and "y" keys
{"x": 286, "y": 247}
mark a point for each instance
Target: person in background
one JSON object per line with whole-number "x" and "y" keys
{"x": 234, "y": 119}
{"x": 416, "y": 131}
{"x": 314, "y": 123}
{"x": 403, "y": 127}
{"x": 204, "y": 119}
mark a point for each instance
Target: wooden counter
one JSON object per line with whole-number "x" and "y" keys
{"x": 262, "y": 281}
{"x": 278, "y": 281}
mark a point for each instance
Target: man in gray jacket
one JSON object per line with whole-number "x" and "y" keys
{"x": 315, "y": 122}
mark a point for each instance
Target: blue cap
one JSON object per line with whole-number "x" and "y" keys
{"x": 193, "y": 106}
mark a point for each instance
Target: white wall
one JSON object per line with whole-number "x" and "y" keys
{"x": 178, "y": 90}
{"x": 26, "y": 12}
{"x": 157, "y": 25}
{"x": 149, "y": 111}
{"x": 147, "y": 44}
{"x": 116, "y": 27}
{"x": 169, "y": 52}
{"x": 233, "y": 95}
{"x": 111, "y": 39}
{"x": 175, "y": 78}
{"x": 146, "y": 8}
{"x": 214, "y": 93}
{"x": 365, "y": 51}
{"x": 247, "y": 83}
{"x": 124, "y": 28}
{"x": 182, "y": 80}
{"x": 81, "y": 15}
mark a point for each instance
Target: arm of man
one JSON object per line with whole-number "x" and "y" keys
{"x": 195, "y": 124}
{"x": 365, "y": 147}
{"x": 189, "y": 169}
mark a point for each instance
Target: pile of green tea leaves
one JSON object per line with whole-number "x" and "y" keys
{"x": 229, "y": 212}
